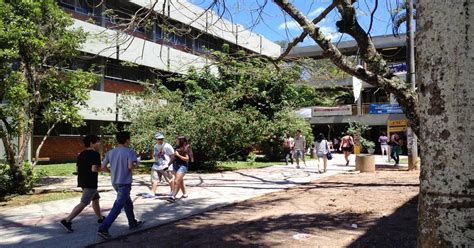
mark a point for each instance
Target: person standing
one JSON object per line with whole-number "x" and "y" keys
{"x": 122, "y": 161}
{"x": 299, "y": 148}
{"x": 88, "y": 163}
{"x": 288, "y": 146}
{"x": 163, "y": 154}
{"x": 396, "y": 148}
{"x": 347, "y": 145}
{"x": 335, "y": 144}
{"x": 321, "y": 149}
{"x": 180, "y": 167}
{"x": 384, "y": 147}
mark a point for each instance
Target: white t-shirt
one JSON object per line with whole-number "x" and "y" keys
{"x": 162, "y": 154}
{"x": 321, "y": 148}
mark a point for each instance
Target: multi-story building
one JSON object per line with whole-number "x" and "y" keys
{"x": 374, "y": 107}
{"x": 179, "y": 39}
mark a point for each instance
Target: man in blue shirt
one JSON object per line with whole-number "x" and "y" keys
{"x": 122, "y": 161}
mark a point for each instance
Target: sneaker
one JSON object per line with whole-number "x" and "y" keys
{"x": 101, "y": 220}
{"x": 184, "y": 196}
{"x": 136, "y": 225}
{"x": 67, "y": 226}
{"x": 148, "y": 195}
{"x": 104, "y": 234}
{"x": 171, "y": 199}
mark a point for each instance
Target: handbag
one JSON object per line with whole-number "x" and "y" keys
{"x": 328, "y": 155}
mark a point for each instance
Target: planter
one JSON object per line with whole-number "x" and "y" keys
{"x": 371, "y": 150}
{"x": 365, "y": 163}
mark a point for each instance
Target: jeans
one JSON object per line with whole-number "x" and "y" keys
{"x": 395, "y": 155}
{"x": 123, "y": 201}
{"x": 289, "y": 155}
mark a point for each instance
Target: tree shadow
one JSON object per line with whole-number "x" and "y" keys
{"x": 397, "y": 230}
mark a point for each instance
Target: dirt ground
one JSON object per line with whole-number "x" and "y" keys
{"x": 348, "y": 210}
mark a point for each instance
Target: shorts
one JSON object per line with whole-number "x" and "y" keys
{"x": 347, "y": 149}
{"x": 88, "y": 195}
{"x": 299, "y": 154}
{"x": 384, "y": 148}
{"x": 180, "y": 168}
{"x": 156, "y": 175}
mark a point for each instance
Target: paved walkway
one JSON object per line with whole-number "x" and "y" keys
{"x": 37, "y": 225}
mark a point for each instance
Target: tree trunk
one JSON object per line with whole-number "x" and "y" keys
{"x": 445, "y": 62}
{"x": 38, "y": 150}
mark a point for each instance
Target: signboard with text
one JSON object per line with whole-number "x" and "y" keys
{"x": 385, "y": 109}
{"x": 332, "y": 111}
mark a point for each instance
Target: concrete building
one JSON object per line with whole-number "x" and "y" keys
{"x": 156, "y": 50}
{"x": 374, "y": 107}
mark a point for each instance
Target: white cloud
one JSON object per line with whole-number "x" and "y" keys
{"x": 290, "y": 25}
{"x": 330, "y": 32}
{"x": 315, "y": 12}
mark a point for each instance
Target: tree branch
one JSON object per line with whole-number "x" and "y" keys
{"x": 37, "y": 153}
{"x": 380, "y": 78}
{"x": 303, "y": 35}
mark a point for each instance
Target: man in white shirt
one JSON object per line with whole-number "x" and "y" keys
{"x": 300, "y": 148}
{"x": 163, "y": 154}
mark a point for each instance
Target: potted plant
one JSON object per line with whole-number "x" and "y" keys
{"x": 367, "y": 144}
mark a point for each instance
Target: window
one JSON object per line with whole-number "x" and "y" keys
{"x": 177, "y": 39}
{"x": 70, "y": 4}
{"x": 158, "y": 32}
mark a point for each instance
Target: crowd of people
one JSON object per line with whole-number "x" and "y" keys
{"x": 171, "y": 164}
{"x": 321, "y": 148}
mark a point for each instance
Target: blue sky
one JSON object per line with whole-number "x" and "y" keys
{"x": 276, "y": 25}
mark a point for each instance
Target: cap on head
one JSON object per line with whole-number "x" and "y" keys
{"x": 159, "y": 136}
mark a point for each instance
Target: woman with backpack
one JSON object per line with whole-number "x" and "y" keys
{"x": 347, "y": 145}
{"x": 321, "y": 149}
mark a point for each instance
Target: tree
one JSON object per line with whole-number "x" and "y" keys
{"x": 445, "y": 62}
{"x": 36, "y": 44}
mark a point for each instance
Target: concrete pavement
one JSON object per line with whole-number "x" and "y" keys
{"x": 37, "y": 225}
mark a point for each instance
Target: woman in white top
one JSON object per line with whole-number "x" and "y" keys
{"x": 321, "y": 149}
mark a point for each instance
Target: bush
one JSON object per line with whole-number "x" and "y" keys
{"x": 19, "y": 182}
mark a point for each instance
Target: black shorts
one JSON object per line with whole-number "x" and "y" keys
{"x": 347, "y": 149}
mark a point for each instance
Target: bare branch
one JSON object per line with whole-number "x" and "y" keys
{"x": 303, "y": 35}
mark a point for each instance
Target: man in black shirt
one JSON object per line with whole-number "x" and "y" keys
{"x": 88, "y": 164}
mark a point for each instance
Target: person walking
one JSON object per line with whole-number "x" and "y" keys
{"x": 88, "y": 164}
{"x": 384, "y": 147}
{"x": 299, "y": 148}
{"x": 288, "y": 145}
{"x": 164, "y": 154}
{"x": 396, "y": 148}
{"x": 180, "y": 167}
{"x": 122, "y": 161}
{"x": 347, "y": 146}
{"x": 321, "y": 149}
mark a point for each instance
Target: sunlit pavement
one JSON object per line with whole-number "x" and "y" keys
{"x": 37, "y": 225}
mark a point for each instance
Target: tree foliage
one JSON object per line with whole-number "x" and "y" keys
{"x": 36, "y": 43}
{"x": 228, "y": 110}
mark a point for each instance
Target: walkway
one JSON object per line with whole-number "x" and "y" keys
{"x": 36, "y": 225}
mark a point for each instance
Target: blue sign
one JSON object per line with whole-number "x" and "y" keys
{"x": 385, "y": 109}
{"x": 398, "y": 67}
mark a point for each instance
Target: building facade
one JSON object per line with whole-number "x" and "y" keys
{"x": 373, "y": 107}
{"x": 180, "y": 38}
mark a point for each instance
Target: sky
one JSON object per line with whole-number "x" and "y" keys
{"x": 276, "y": 25}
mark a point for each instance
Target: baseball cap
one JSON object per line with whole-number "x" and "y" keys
{"x": 159, "y": 136}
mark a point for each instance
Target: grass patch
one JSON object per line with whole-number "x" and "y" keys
{"x": 20, "y": 200}
{"x": 66, "y": 169}
{"x": 403, "y": 160}
{"x": 238, "y": 165}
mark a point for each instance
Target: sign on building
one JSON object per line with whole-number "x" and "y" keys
{"x": 332, "y": 111}
{"x": 396, "y": 126}
{"x": 385, "y": 109}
